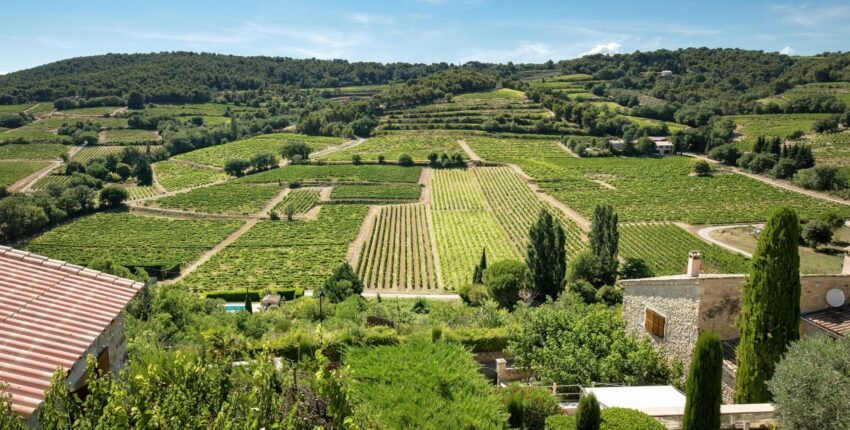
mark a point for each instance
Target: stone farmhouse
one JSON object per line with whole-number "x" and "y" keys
{"x": 54, "y": 315}
{"x": 662, "y": 145}
{"x": 673, "y": 310}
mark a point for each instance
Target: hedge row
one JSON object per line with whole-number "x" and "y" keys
{"x": 480, "y": 339}
{"x": 239, "y": 295}
{"x": 612, "y": 419}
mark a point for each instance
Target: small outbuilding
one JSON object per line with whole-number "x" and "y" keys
{"x": 270, "y": 301}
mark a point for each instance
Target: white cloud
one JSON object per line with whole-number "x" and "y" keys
{"x": 525, "y": 52}
{"x": 3, "y": 72}
{"x": 787, "y": 51}
{"x": 604, "y": 48}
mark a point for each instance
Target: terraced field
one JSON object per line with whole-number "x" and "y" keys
{"x": 89, "y": 152}
{"x": 92, "y": 111}
{"x": 247, "y": 148}
{"x": 32, "y": 136}
{"x": 417, "y": 144}
{"x": 132, "y": 240}
{"x": 198, "y": 109}
{"x": 398, "y": 254}
{"x": 140, "y": 192}
{"x": 376, "y": 193}
{"x": 510, "y": 150}
{"x": 665, "y": 247}
{"x": 33, "y": 151}
{"x": 13, "y": 171}
{"x": 225, "y": 198}
{"x": 830, "y": 148}
{"x": 773, "y": 125}
{"x": 275, "y": 254}
{"x": 130, "y": 137}
{"x": 51, "y": 123}
{"x": 301, "y": 200}
{"x": 659, "y": 189}
{"x": 323, "y": 174}
{"x": 174, "y": 175}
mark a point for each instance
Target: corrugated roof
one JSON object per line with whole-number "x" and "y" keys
{"x": 50, "y": 313}
{"x": 835, "y": 320}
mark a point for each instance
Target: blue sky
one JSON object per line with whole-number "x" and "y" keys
{"x": 38, "y": 32}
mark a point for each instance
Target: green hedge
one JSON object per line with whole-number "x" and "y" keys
{"x": 239, "y": 295}
{"x": 298, "y": 342}
{"x": 612, "y": 419}
{"x": 480, "y": 339}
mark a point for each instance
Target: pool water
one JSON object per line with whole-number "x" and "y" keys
{"x": 234, "y": 308}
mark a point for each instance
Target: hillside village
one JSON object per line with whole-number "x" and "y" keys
{"x": 650, "y": 240}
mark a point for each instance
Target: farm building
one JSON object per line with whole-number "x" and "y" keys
{"x": 662, "y": 145}
{"x": 666, "y": 73}
{"x": 673, "y": 310}
{"x": 53, "y": 315}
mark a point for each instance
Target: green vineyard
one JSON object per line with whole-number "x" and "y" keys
{"x": 301, "y": 200}
{"x": 398, "y": 254}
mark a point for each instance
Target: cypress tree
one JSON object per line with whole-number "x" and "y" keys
{"x": 604, "y": 242}
{"x": 770, "y": 308}
{"x": 479, "y": 269}
{"x": 248, "y": 305}
{"x": 546, "y": 257}
{"x": 588, "y": 416}
{"x": 704, "y": 387}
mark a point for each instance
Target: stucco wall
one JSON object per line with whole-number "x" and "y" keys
{"x": 677, "y": 300}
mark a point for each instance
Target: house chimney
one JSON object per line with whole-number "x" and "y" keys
{"x": 845, "y": 270}
{"x": 695, "y": 263}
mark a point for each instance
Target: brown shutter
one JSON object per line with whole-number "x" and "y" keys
{"x": 655, "y": 323}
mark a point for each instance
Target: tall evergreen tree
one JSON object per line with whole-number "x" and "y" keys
{"x": 604, "y": 242}
{"x": 704, "y": 388}
{"x": 479, "y": 269}
{"x": 248, "y": 305}
{"x": 234, "y": 128}
{"x": 770, "y": 311}
{"x": 588, "y": 416}
{"x": 546, "y": 257}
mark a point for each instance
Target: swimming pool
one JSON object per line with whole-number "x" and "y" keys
{"x": 234, "y": 307}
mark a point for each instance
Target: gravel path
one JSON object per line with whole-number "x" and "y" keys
{"x": 705, "y": 234}
{"x": 469, "y": 152}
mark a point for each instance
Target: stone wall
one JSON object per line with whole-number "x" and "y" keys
{"x": 113, "y": 338}
{"x": 677, "y": 300}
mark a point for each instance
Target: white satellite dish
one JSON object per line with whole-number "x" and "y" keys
{"x": 835, "y": 297}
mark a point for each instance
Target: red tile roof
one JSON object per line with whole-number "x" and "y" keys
{"x": 50, "y": 313}
{"x": 835, "y": 320}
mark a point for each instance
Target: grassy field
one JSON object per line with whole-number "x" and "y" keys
{"x": 174, "y": 175}
{"x": 838, "y": 90}
{"x": 276, "y": 254}
{"x": 501, "y": 93}
{"x": 8, "y": 109}
{"x": 247, "y": 148}
{"x": 376, "y": 193}
{"x": 301, "y": 200}
{"x": 306, "y": 174}
{"x": 665, "y": 247}
{"x": 33, "y": 151}
{"x": 398, "y": 254}
{"x": 775, "y": 124}
{"x": 417, "y": 144}
{"x": 127, "y": 137}
{"x": 659, "y": 189}
{"x": 12, "y": 171}
{"x": 132, "y": 240}
{"x": 225, "y": 198}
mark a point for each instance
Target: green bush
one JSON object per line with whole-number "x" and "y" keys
{"x": 529, "y": 406}
{"x": 612, "y": 419}
{"x": 506, "y": 279}
{"x": 588, "y": 416}
{"x": 474, "y": 294}
{"x": 479, "y": 339}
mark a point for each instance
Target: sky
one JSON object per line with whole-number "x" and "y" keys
{"x": 421, "y": 31}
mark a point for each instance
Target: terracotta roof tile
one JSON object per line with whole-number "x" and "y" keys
{"x": 835, "y": 320}
{"x": 50, "y": 313}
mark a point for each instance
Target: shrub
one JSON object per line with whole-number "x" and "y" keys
{"x": 726, "y": 154}
{"x": 124, "y": 171}
{"x": 821, "y": 178}
{"x": 263, "y": 161}
{"x": 584, "y": 289}
{"x": 761, "y": 163}
{"x": 612, "y": 419}
{"x": 588, "y": 416}
{"x": 381, "y": 159}
{"x": 811, "y": 384}
{"x": 701, "y": 168}
{"x": 239, "y": 295}
{"x": 405, "y": 160}
{"x": 236, "y": 167}
{"x": 635, "y": 268}
{"x": 474, "y": 294}
{"x": 113, "y": 196}
{"x": 356, "y": 159}
{"x": 817, "y": 233}
{"x": 295, "y": 149}
{"x": 785, "y": 168}
{"x": 479, "y": 339}
{"x": 528, "y": 406}
{"x": 584, "y": 266}
{"x": 609, "y": 295}
{"x": 505, "y": 279}
{"x": 273, "y": 215}
{"x": 343, "y": 283}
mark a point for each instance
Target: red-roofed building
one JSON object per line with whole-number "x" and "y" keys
{"x": 55, "y": 314}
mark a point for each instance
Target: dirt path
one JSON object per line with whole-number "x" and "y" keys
{"x": 363, "y": 235}
{"x": 705, "y": 234}
{"x": 119, "y": 110}
{"x": 325, "y": 194}
{"x": 774, "y": 182}
{"x": 267, "y": 210}
{"x": 603, "y": 183}
{"x": 101, "y": 137}
{"x": 582, "y": 222}
{"x": 25, "y": 184}
{"x": 469, "y": 152}
{"x": 567, "y": 150}
{"x": 425, "y": 182}
{"x": 213, "y": 251}
{"x": 344, "y": 145}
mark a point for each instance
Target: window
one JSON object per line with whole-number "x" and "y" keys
{"x": 655, "y": 323}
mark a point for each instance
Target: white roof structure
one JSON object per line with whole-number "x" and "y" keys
{"x": 647, "y": 399}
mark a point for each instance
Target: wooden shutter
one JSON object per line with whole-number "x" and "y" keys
{"x": 655, "y": 323}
